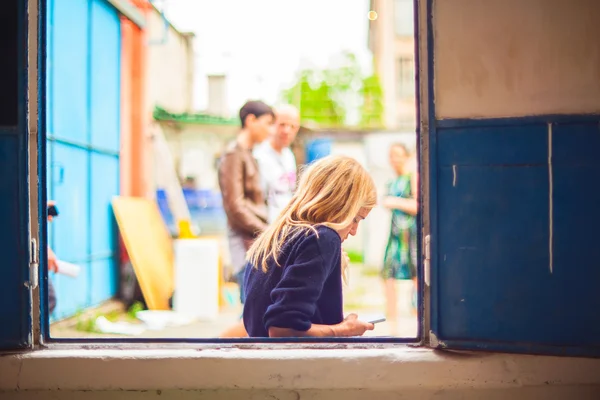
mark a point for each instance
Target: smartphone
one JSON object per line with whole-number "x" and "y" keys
{"x": 376, "y": 320}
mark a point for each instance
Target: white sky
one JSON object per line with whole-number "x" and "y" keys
{"x": 261, "y": 44}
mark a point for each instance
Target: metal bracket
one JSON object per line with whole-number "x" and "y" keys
{"x": 34, "y": 266}
{"x": 427, "y": 261}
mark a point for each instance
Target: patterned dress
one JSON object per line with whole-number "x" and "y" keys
{"x": 400, "y": 254}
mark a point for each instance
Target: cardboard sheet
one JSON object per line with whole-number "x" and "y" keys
{"x": 149, "y": 246}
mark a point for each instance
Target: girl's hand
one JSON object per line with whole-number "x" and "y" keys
{"x": 352, "y": 326}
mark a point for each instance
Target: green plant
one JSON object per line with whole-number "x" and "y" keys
{"x": 87, "y": 322}
{"x": 134, "y": 309}
{"x": 355, "y": 256}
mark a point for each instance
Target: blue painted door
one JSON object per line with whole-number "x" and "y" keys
{"x": 515, "y": 266}
{"x": 83, "y": 114}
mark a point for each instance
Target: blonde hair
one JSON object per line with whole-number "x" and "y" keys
{"x": 331, "y": 192}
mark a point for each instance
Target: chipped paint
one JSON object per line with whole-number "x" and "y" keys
{"x": 454, "y": 175}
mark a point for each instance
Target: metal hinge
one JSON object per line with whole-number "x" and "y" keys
{"x": 427, "y": 261}
{"x": 34, "y": 266}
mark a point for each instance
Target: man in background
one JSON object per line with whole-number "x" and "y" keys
{"x": 276, "y": 161}
{"x": 239, "y": 181}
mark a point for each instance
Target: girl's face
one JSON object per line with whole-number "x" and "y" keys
{"x": 398, "y": 158}
{"x": 353, "y": 227}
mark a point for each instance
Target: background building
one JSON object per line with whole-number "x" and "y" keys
{"x": 391, "y": 40}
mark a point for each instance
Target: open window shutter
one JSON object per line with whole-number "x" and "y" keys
{"x": 15, "y": 297}
{"x": 514, "y": 211}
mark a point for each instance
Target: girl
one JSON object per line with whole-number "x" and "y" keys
{"x": 294, "y": 272}
{"x": 400, "y": 254}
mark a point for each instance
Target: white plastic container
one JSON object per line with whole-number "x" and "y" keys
{"x": 197, "y": 278}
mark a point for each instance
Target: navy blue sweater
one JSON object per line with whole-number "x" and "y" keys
{"x": 305, "y": 290}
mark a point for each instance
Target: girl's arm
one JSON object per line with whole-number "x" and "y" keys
{"x": 350, "y": 326}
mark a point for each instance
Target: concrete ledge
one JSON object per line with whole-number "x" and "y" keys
{"x": 387, "y": 369}
{"x": 536, "y": 393}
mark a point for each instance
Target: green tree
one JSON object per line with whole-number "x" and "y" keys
{"x": 329, "y": 98}
{"x": 371, "y": 115}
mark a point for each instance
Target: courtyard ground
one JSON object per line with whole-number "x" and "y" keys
{"x": 364, "y": 295}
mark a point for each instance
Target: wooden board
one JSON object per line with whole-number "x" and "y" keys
{"x": 149, "y": 246}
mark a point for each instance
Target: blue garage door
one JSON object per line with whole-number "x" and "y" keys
{"x": 83, "y": 146}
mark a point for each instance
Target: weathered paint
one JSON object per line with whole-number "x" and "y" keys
{"x": 502, "y": 58}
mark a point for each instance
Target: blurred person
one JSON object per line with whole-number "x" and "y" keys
{"x": 277, "y": 162}
{"x": 400, "y": 260}
{"x": 52, "y": 260}
{"x": 239, "y": 181}
{"x": 295, "y": 268}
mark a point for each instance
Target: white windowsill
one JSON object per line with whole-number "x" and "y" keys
{"x": 389, "y": 369}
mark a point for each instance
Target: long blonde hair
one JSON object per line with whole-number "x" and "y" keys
{"x": 331, "y": 192}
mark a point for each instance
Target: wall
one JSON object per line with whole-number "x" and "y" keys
{"x": 83, "y": 147}
{"x": 169, "y": 82}
{"x": 196, "y": 148}
{"x": 217, "y": 95}
{"x": 383, "y": 49}
{"x": 134, "y": 115}
{"x": 516, "y": 58}
{"x": 387, "y": 47}
{"x": 342, "y": 373}
{"x": 170, "y": 55}
{"x": 405, "y": 105}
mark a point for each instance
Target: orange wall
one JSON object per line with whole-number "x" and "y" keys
{"x": 126, "y": 145}
{"x": 134, "y": 121}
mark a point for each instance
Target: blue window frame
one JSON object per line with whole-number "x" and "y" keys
{"x": 512, "y": 214}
